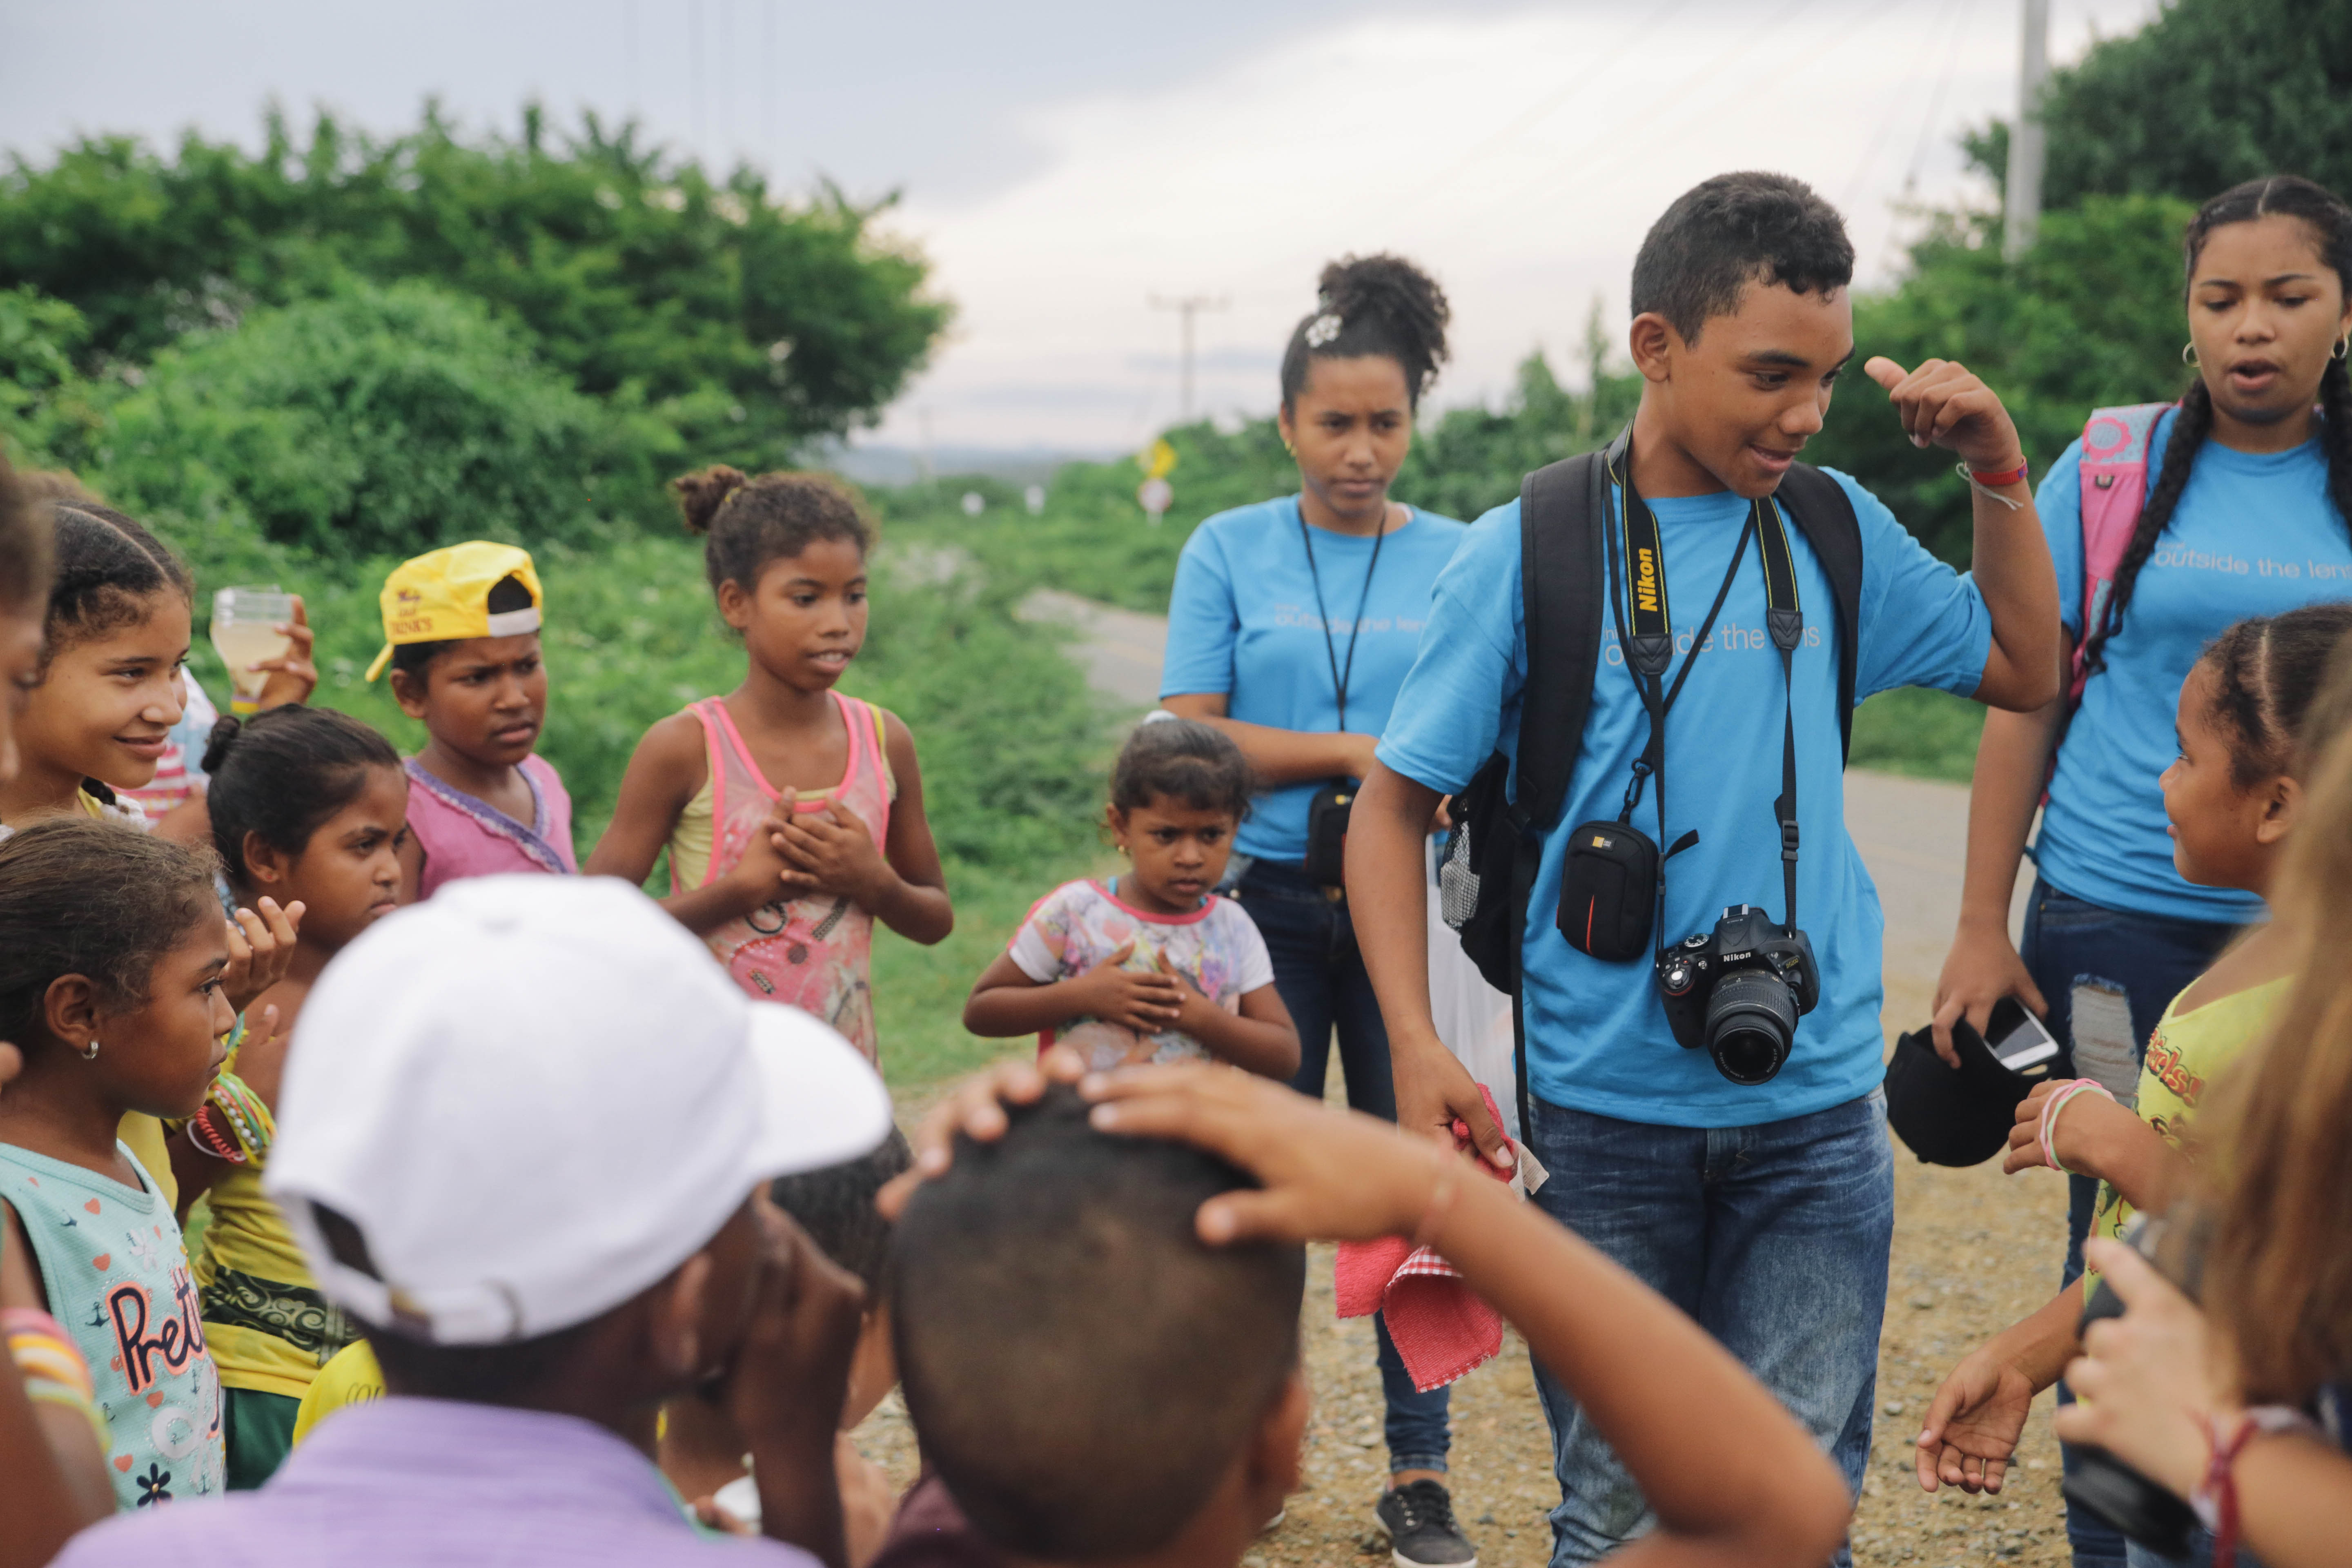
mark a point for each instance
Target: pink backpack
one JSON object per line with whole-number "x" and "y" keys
{"x": 2114, "y": 484}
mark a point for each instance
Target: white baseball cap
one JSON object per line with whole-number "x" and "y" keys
{"x": 535, "y": 1096}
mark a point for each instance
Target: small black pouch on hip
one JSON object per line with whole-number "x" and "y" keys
{"x": 1609, "y": 891}
{"x": 1326, "y": 833}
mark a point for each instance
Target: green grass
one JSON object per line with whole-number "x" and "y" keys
{"x": 918, "y": 992}
{"x": 1926, "y": 734}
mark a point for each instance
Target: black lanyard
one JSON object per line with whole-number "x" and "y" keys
{"x": 1341, "y": 677}
{"x": 1637, "y": 574}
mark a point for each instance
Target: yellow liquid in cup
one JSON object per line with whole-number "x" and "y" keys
{"x": 245, "y": 642}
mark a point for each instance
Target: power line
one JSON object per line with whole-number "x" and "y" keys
{"x": 1187, "y": 306}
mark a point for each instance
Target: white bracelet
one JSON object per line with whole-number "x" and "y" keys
{"x": 1962, "y": 470}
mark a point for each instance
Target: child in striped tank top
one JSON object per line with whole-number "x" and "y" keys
{"x": 793, "y": 815}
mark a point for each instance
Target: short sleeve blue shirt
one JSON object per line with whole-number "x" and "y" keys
{"x": 1598, "y": 1039}
{"x": 2253, "y": 534}
{"x": 1243, "y": 624}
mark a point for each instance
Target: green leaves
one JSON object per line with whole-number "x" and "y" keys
{"x": 377, "y": 420}
{"x": 627, "y": 273}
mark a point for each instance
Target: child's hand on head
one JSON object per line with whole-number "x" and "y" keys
{"x": 828, "y": 851}
{"x": 292, "y": 676}
{"x": 261, "y": 946}
{"x": 975, "y": 1108}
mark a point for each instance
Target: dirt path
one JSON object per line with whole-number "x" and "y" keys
{"x": 1973, "y": 1251}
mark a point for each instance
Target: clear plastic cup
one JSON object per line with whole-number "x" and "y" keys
{"x": 245, "y": 622}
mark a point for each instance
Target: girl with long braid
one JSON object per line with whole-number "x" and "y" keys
{"x": 2249, "y": 495}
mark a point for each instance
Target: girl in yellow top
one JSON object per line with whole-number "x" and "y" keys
{"x": 793, "y": 815}
{"x": 2231, "y": 796}
{"x": 311, "y": 805}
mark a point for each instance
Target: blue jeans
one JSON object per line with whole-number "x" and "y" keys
{"x": 2152, "y": 958}
{"x": 1320, "y": 977}
{"x": 1773, "y": 1237}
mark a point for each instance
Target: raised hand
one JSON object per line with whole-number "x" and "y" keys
{"x": 1944, "y": 404}
{"x": 261, "y": 946}
{"x": 292, "y": 676}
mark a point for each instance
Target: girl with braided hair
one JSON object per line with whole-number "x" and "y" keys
{"x": 1291, "y": 628}
{"x": 2249, "y": 501}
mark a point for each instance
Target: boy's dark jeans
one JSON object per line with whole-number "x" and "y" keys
{"x": 2151, "y": 959}
{"x": 1321, "y": 979}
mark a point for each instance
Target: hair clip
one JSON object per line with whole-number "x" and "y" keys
{"x": 1323, "y": 329}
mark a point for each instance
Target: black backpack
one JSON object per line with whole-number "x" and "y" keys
{"x": 1489, "y": 869}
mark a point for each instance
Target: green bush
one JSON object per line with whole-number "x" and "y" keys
{"x": 375, "y": 421}
{"x": 766, "y": 321}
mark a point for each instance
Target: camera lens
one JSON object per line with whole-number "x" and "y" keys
{"x": 1750, "y": 1020}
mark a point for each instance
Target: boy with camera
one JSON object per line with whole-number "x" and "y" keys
{"x": 1637, "y": 683}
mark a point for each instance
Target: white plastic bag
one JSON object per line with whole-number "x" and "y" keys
{"x": 1473, "y": 1018}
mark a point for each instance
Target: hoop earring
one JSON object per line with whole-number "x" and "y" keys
{"x": 2343, "y": 346}
{"x": 90, "y": 1052}
{"x": 2189, "y": 355}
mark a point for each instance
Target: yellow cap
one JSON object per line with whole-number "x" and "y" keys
{"x": 446, "y": 595}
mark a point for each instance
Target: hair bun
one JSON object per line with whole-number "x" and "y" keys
{"x": 225, "y": 730}
{"x": 1392, "y": 290}
{"x": 700, "y": 494}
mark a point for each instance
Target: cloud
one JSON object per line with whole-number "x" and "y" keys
{"x": 1520, "y": 157}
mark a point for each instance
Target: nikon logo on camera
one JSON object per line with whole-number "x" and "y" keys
{"x": 1645, "y": 581}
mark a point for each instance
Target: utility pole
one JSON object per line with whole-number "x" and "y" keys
{"x": 1187, "y": 306}
{"x": 2023, "y": 209}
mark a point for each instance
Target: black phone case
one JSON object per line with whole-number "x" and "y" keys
{"x": 1326, "y": 834}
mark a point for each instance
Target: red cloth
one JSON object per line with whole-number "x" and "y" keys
{"x": 1442, "y": 1328}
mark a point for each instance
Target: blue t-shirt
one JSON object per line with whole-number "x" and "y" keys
{"x": 2254, "y": 533}
{"x": 1243, "y": 624}
{"x": 1598, "y": 1039}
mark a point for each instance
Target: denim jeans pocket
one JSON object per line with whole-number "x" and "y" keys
{"x": 2063, "y": 911}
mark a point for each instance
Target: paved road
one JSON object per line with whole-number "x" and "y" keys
{"x": 1912, "y": 832}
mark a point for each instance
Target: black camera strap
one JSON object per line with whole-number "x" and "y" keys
{"x": 1644, "y": 622}
{"x": 1342, "y": 676}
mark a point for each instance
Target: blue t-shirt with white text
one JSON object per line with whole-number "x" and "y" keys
{"x": 1598, "y": 1039}
{"x": 2254, "y": 533}
{"x": 1243, "y": 624}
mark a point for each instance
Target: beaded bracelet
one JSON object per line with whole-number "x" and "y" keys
{"x": 2057, "y": 1102}
{"x": 53, "y": 1369}
{"x": 235, "y": 1125}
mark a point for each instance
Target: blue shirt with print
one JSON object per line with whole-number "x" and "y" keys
{"x": 1243, "y": 624}
{"x": 1597, "y": 1036}
{"x": 2254, "y": 534}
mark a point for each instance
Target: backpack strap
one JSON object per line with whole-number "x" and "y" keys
{"x": 1563, "y": 508}
{"x": 1823, "y": 512}
{"x": 2114, "y": 468}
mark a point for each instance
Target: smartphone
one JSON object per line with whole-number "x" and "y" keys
{"x": 2018, "y": 1038}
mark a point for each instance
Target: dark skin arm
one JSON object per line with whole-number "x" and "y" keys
{"x": 1262, "y": 1039}
{"x": 833, "y": 851}
{"x": 1978, "y": 1411}
{"x": 1280, "y": 756}
{"x": 53, "y": 1479}
{"x": 260, "y": 1065}
{"x": 668, "y": 768}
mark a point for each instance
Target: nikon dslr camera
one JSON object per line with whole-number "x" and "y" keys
{"x": 1740, "y": 991}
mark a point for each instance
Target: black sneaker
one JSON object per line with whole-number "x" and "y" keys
{"x": 1419, "y": 1518}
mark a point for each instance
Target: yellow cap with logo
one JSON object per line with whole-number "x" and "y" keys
{"x": 446, "y": 595}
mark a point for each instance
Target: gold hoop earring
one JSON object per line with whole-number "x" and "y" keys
{"x": 1294, "y": 451}
{"x": 2189, "y": 355}
{"x": 90, "y": 1052}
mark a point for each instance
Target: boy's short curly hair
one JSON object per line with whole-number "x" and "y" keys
{"x": 1726, "y": 233}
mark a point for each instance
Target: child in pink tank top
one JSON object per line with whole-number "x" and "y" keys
{"x": 461, "y": 635}
{"x": 792, "y": 815}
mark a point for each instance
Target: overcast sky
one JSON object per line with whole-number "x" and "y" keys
{"x": 1061, "y": 163}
